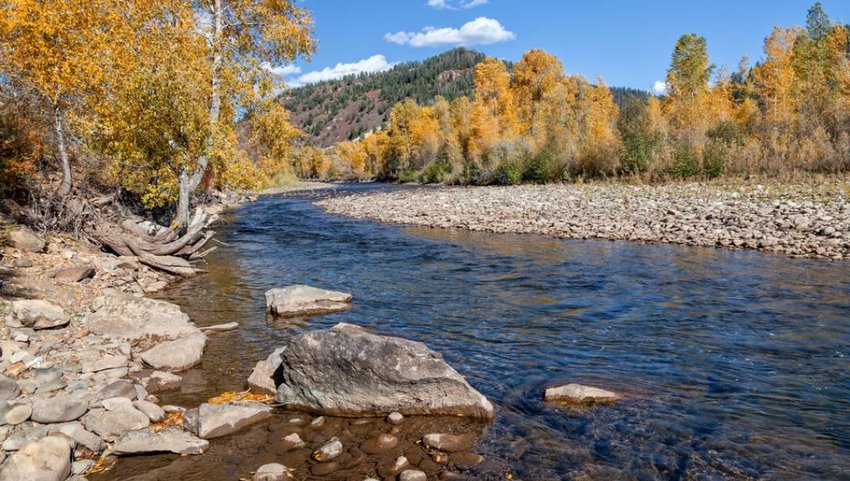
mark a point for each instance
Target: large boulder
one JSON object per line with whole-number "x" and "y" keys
{"x": 26, "y": 240}
{"x": 216, "y": 420}
{"x": 59, "y": 409}
{"x": 134, "y": 318}
{"x": 177, "y": 355}
{"x": 300, "y": 300}
{"x": 111, "y": 425}
{"x": 346, "y": 370}
{"x": 48, "y": 459}
{"x": 39, "y": 314}
{"x": 170, "y": 440}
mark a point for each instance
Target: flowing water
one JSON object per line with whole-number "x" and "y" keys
{"x": 733, "y": 364}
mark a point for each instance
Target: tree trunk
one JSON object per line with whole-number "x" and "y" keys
{"x": 65, "y": 187}
{"x": 184, "y": 195}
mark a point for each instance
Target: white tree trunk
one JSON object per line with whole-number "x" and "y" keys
{"x": 65, "y": 187}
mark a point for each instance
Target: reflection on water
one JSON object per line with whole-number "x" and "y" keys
{"x": 734, "y": 363}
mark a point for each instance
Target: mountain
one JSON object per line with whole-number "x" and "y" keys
{"x": 343, "y": 109}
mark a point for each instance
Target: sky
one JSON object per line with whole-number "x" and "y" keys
{"x": 628, "y": 43}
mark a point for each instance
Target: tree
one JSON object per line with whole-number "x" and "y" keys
{"x": 61, "y": 52}
{"x": 775, "y": 79}
{"x": 687, "y": 84}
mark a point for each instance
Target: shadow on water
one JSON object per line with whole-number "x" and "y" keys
{"x": 733, "y": 364}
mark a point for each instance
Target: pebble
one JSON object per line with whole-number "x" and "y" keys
{"x": 329, "y": 451}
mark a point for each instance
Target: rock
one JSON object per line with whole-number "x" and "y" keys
{"x": 318, "y": 422}
{"x": 379, "y": 444}
{"x": 170, "y": 440}
{"x": 98, "y": 363}
{"x": 24, "y": 435}
{"x": 8, "y": 388}
{"x": 577, "y": 393}
{"x": 448, "y": 442}
{"x": 18, "y": 414}
{"x": 135, "y": 318}
{"x": 346, "y": 370}
{"x": 395, "y": 418}
{"x": 24, "y": 239}
{"x": 300, "y": 300}
{"x": 48, "y": 459}
{"x": 119, "y": 388}
{"x": 329, "y": 451}
{"x": 80, "y": 467}
{"x": 229, "y": 326}
{"x": 58, "y": 409}
{"x": 74, "y": 274}
{"x": 23, "y": 263}
{"x": 177, "y": 355}
{"x": 154, "y": 412}
{"x": 272, "y": 472}
{"x": 111, "y": 425}
{"x": 265, "y": 376}
{"x": 39, "y": 314}
{"x": 81, "y": 436}
{"x": 215, "y": 420}
{"x": 293, "y": 441}
{"x": 117, "y": 404}
{"x": 160, "y": 381}
{"x": 412, "y": 475}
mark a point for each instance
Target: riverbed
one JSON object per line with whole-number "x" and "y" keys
{"x": 733, "y": 364}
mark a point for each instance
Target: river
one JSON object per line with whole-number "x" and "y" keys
{"x": 733, "y": 364}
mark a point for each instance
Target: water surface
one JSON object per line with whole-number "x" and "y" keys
{"x": 734, "y": 364}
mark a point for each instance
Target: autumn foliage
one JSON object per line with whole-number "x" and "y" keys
{"x": 534, "y": 123}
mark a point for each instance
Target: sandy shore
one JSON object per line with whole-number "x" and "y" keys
{"x": 798, "y": 220}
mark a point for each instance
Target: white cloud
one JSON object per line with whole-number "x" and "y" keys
{"x": 285, "y": 70}
{"x": 375, "y": 63}
{"x": 659, "y": 87}
{"x": 449, "y": 5}
{"x": 481, "y": 31}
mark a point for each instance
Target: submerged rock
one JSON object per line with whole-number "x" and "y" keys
{"x": 448, "y": 442}
{"x": 347, "y": 370}
{"x": 577, "y": 393}
{"x": 300, "y": 300}
{"x": 215, "y": 420}
{"x": 329, "y": 451}
{"x": 48, "y": 459}
{"x": 272, "y": 472}
{"x": 170, "y": 440}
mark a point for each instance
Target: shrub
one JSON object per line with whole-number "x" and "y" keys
{"x": 685, "y": 161}
{"x": 544, "y": 166}
{"x": 435, "y": 172}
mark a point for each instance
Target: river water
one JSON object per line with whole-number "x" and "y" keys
{"x": 733, "y": 364}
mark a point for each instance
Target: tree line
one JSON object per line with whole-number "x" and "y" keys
{"x": 530, "y": 122}
{"x": 143, "y": 97}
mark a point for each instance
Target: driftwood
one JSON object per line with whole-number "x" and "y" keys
{"x": 166, "y": 250}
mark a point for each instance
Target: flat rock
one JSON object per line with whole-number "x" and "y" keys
{"x": 18, "y": 414}
{"x": 577, "y": 393}
{"x": 39, "y": 314}
{"x": 134, "y": 318}
{"x": 215, "y": 420}
{"x": 346, "y": 370}
{"x": 177, "y": 355}
{"x": 272, "y": 472}
{"x": 74, "y": 274}
{"x": 48, "y": 459}
{"x": 170, "y": 440}
{"x": 96, "y": 363}
{"x": 58, "y": 409}
{"x": 111, "y": 425}
{"x": 154, "y": 412}
{"x": 119, "y": 388}
{"x": 26, "y": 240}
{"x": 159, "y": 381}
{"x": 265, "y": 376}
{"x": 300, "y": 300}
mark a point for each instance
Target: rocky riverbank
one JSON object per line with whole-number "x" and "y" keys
{"x": 805, "y": 220}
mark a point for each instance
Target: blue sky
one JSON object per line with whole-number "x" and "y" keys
{"x": 628, "y": 43}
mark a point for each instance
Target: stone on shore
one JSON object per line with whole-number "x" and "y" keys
{"x": 48, "y": 459}
{"x": 579, "y": 394}
{"x": 119, "y": 388}
{"x": 39, "y": 314}
{"x": 74, "y": 274}
{"x": 18, "y": 414}
{"x": 272, "y": 472}
{"x": 26, "y": 240}
{"x": 265, "y": 376}
{"x": 210, "y": 421}
{"x": 347, "y": 370}
{"x": 9, "y": 388}
{"x": 133, "y": 318}
{"x": 170, "y": 440}
{"x": 301, "y": 300}
{"x": 158, "y": 381}
{"x": 111, "y": 425}
{"x": 154, "y": 412}
{"x": 58, "y": 409}
{"x": 177, "y": 355}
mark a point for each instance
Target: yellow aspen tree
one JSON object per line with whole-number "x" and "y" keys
{"x": 536, "y": 77}
{"x": 774, "y": 79}
{"x": 493, "y": 89}
{"x": 599, "y": 143}
{"x": 688, "y": 86}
